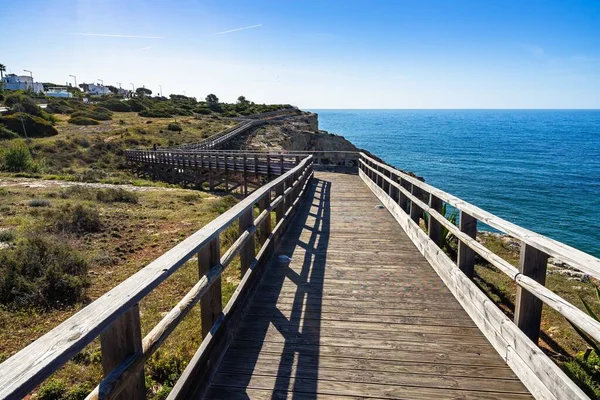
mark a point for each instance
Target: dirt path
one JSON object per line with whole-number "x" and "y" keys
{"x": 43, "y": 183}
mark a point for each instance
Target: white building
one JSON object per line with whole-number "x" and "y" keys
{"x": 99, "y": 90}
{"x": 58, "y": 92}
{"x": 15, "y": 82}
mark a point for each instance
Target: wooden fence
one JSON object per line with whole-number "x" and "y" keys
{"x": 115, "y": 316}
{"x": 408, "y": 199}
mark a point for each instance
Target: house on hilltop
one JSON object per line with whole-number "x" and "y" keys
{"x": 21, "y": 82}
{"x": 99, "y": 90}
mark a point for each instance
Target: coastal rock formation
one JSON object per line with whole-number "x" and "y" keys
{"x": 298, "y": 133}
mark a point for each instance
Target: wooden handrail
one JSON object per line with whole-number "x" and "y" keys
{"x": 569, "y": 311}
{"x": 562, "y": 252}
{"x": 28, "y": 368}
{"x": 515, "y": 341}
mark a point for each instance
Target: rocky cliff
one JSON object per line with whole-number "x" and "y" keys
{"x": 299, "y": 133}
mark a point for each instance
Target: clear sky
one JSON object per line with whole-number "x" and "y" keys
{"x": 319, "y": 54}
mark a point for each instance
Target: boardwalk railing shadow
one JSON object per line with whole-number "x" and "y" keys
{"x": 301, "y": 324}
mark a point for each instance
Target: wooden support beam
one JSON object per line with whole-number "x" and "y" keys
{"x": 265, "y": 229}
{"x": 247, "y": 252}
{"x": 415, "y": 211}
{"x": 403, "y": 200}
{"x": 434, "y": 228}
{"x": 466, "y": 255}
{"x": 528, "y": 308}
{"x": 210, "y": 303}
{"x": 121, "y": 340}
{"x": 245, "y": 175}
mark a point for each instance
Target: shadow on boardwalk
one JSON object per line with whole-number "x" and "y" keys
{"x": 265, "y": 315}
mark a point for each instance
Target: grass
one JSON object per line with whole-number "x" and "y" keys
{"x": 96, "y": 153}
{"x": 133, "y": 234}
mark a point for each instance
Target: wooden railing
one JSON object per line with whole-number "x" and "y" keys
{"x": 408, "y": 198}
{"x": 218, "y": 140}
{"x": 115, "y": 316}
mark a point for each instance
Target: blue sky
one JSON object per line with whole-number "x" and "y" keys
{"x": 320, "y": 54}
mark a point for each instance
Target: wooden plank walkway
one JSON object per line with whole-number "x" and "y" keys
{"x": 358, "y": 313}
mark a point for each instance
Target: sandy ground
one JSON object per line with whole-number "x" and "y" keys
{"x": 41, "y": 183}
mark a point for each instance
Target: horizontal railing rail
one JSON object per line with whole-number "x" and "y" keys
{"x": 115, "y": 316}
{"x": 410, "y": 200}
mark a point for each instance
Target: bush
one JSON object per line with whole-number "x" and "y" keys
{"x": 174, "y": 126}
{"x": 59, "y": 107}
{"x": 76, "y": 219}
{"x": 6, "y": 133}
{"x": 16, "y": 158}
{"x": 116, "y": 196}
{"x": 97, "y": 113}
{"x": 6, "y": 236}
{"x": 83, "y": 121}
{"x": 41, "y": 271}
{"x": 23, "y": 103}
{"x": 135, "y": 105}
{"x": 116, "y": 105}
{"x": 155, "y": 113}
{"x": 54, "y": 389}
{"x": 39, "y": 203}
{"x": 35, "y": 126}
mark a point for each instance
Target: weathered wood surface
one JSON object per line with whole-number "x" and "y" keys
{"x": 358, "y": 312}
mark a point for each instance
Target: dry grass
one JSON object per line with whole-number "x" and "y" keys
{"x": 133, "y": 235}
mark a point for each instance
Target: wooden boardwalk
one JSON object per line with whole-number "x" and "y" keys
{"x": 357, "y": 313}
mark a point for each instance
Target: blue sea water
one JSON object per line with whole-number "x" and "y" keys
{"x": 537, "y": 168}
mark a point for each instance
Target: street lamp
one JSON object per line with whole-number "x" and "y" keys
{"x": 184, "y": 93}
{"x": 74, "y": 78}
{"x": 101, "y": 81}
{"x": 160, "y": 90}
{"x": 30, "y": 73}
{"x": 119, "y": 83}
{"x": 132, "y": 87}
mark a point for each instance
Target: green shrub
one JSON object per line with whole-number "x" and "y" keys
{"x": 16, "y": 158}
{"x": 135, "y": 105}
{"x": 174, "y": 126}
{"x": 76, "y": 219}
{"x": 80, "y": 391}
{"x": 56, "y": 106}
{"x": 26, "y": 104}
{"x": 35, "y": 126}
{"x": 6, "y": 236}
{"x": 116, "y": 105}
{"x": 116, "y": 196}
{"x": 6, "y": 133}
{"x": 97, "y": 113}
{"x": 83, "y": 121}
{"x": 223, "y": 204}
{"x": 54, "y": 389}
{"x": 41, "y": 271}
{"x": 39, "y": 203}
{"x": 155, "y": 113}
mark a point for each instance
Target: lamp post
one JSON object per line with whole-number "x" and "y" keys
{"x": 74, "y": 79}
{"x": 30, "y": 73}
{"x": 160, "y": 90}
{"x": 132, "y": 88}
{"x": 184, "y": 93}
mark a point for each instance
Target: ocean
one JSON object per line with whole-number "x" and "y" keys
{"x": 537, "y": 168}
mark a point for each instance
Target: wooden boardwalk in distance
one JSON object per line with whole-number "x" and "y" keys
{"x": 357, "y": 313}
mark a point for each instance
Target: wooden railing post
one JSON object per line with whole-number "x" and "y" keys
{"x": 245, "y": 175}
{"x": 466, "y": 255}
{"x": 415, "y": 210}
{"x": 247, "y": 252}
{"x": 394, "y": 192}
{"x": 121, "y": 340}
{"x": 403, "y": 200}
{"x": 528, "y": 308}
{"x": 434, "y": 228}
{"x": 265, "y": 229}
{"x": 280, "y": 209}
{"x": 210, "y": 303}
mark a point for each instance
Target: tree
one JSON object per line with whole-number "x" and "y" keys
{"x": 242, "y": 100}
{"x": 142, "y": 91}
{"x": 212, "y": 101}
{"x": 112, "y": 89}
{"x": 2, "y": 71}
{"x": 84, "y": 86}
